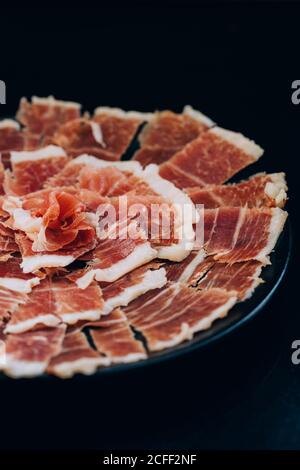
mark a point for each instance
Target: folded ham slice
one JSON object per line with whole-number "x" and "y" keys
{"x": 52, "y": 220}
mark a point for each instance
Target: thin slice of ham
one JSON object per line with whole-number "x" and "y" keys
{"x": 118, "y": 128}
{"x": 9, "y": 303}
{"x": 55, "y": 301}
{"x": 212, "y": 158}
{"x": 173, "y": 314}
{"x": 13, "y": 278}
{"x": 43, "y": 116}
{"x": 241, "y": 278}
{"x": 11, "y": 138}
{"x": 33, "y": 261}
{"x": 73, "y": 304}
{"x": 105, "y": 175}
{"x": 7, "y": 238}
{"x": 95, "y": 137}
{"x": 81, "y": 136}
{"x": 30, "y": 169}
{"x": 76, "y": 356}
{"x": 261, "y": 190}
{"x": 113, "y": 258}
{"x": 184, "y": 271}
{"x": 234, "y": 234}
{"x": 168, "y": 132}
{"x": 39, "y": 310}
{"x": 114, "y": 338}
{"x": 132, "y": 285}
{"x": 28, "y": 354}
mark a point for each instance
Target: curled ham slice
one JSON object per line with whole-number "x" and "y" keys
{"x": 64, "y": 222}
{"x": 52, "y": 220}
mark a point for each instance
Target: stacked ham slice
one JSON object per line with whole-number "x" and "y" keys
{"x": 91, "y": 274}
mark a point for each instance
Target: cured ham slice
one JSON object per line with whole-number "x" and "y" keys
{"x": 114, "y": 338}
{"x": 37, "y": 311}
{"x": 76, "y": 356}
{"x": 113, "y": 258}
{"x": 73, "y": 304}
{"x": 184, "y": 271}
{"x": 241, "y": 278}
{"x": 118, "y": 128}
{"x": 262, "y": 190}
{"x": 43, "y": 116}
{"x": 234, "y": 234}
{"x": 11, "y": 138}
{"x": 7, "y": 239}
{"x": 28, "y": 354}
{"x": 185, "y": 216}
{"x": 55, "y": 301}
{"x": 168, "y": 132}
{"x": 98, "y": 175}
{"x": 106, "y": 136}
{"x": 13, "y": 278}
{"x": 32, "y": 168}
{"x": 173, "y": 314}
{"x": 9, "y": 302}
{"x": 52, "y": 220}
{"x": 32, "y": 261}
{"x": 212, "y": 158}
{"x": 82, "y": 136}
{"x": 154, "y": 154}
{"x": 132, "y": 285}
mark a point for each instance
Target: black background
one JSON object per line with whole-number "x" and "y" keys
{"x": 235, "y": 62}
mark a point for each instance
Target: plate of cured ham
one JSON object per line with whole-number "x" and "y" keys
{"x": 123, "y": 239}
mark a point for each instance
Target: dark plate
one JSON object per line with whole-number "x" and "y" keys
{"x": 239, "y": 315}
